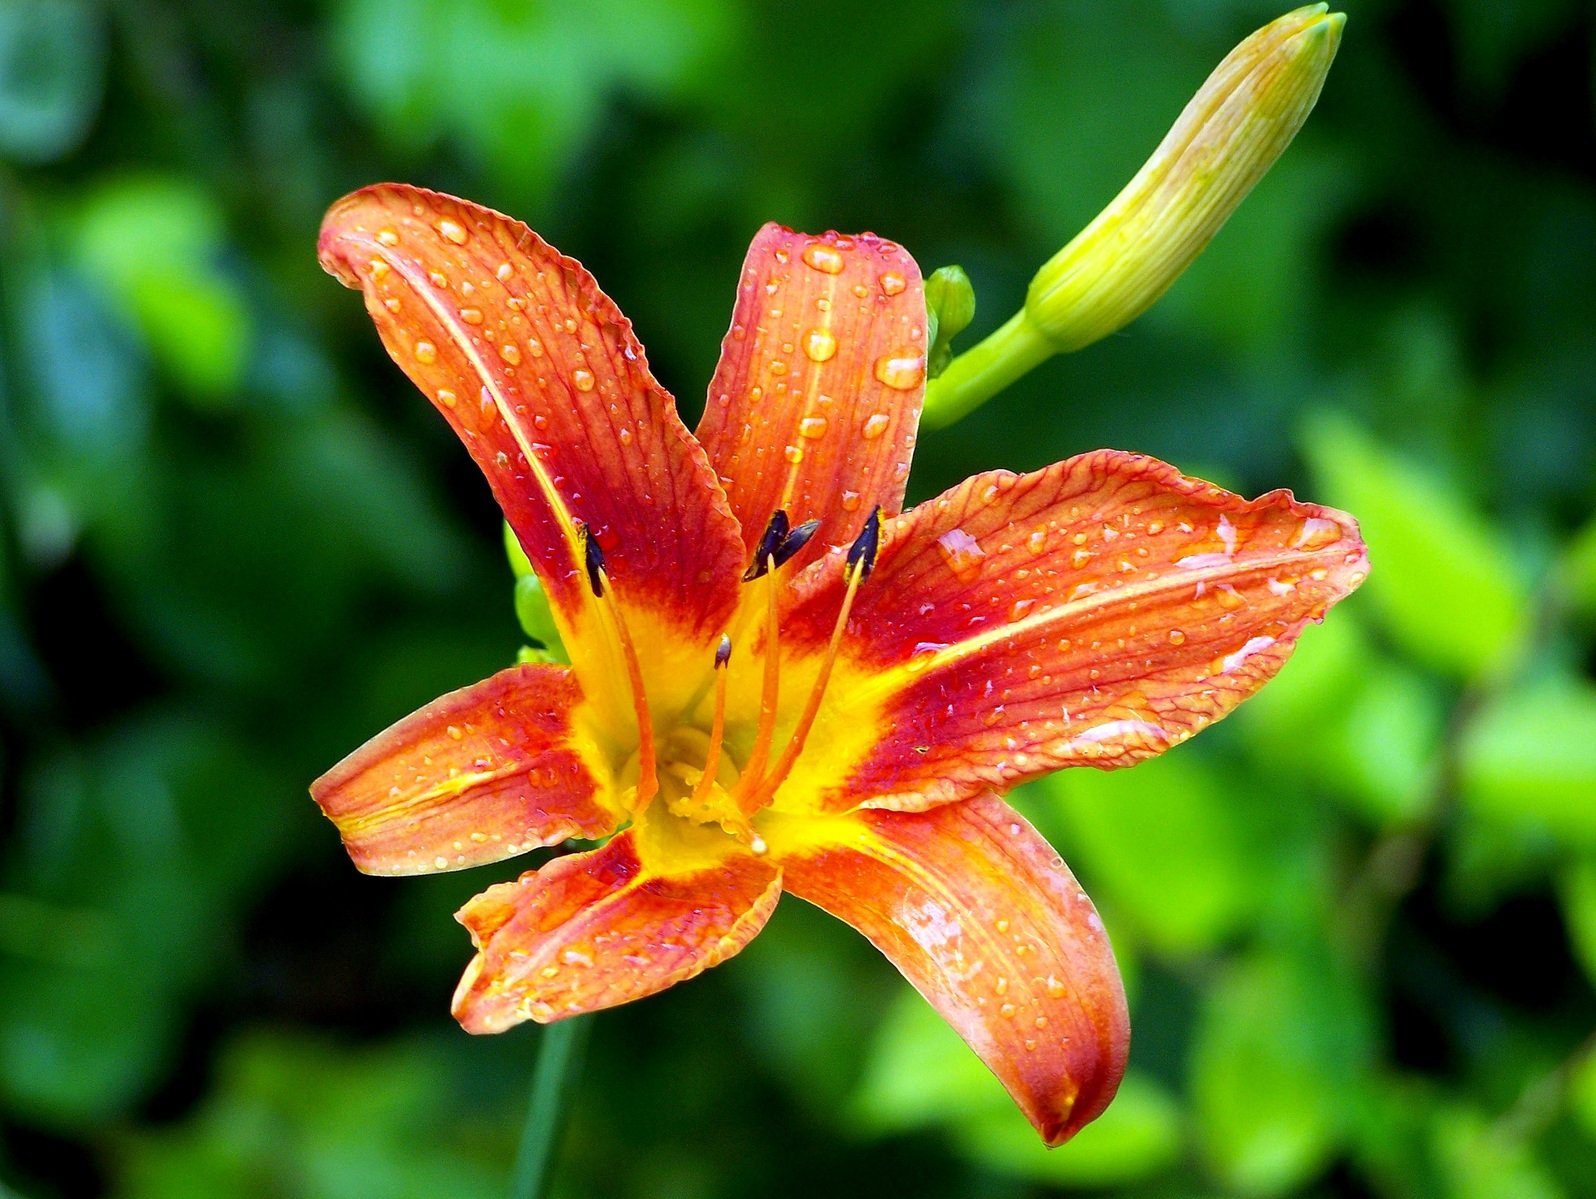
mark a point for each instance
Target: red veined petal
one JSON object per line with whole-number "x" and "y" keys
{"x": 478, "y": 775}
{"x": 815, "y": 403}
{"x": 979, "y": 913}
{"x": 541, "y": 376}
{"x": 661, "y": 902}
{"x": 1093, "y": 613}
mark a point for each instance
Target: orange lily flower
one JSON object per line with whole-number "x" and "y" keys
{"x": 779, "y": 680}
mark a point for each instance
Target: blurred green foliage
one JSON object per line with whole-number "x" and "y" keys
{"x": 1358, "y": 920}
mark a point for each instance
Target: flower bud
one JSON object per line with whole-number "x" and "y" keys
{"x": 1229, "y": 135}
{"x": 950, "y": 306}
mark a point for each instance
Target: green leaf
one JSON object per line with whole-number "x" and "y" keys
{"x": 1579, "y": 570}
{"x": 1280, "y": 1050}
{"x": 1166, "y": 844}
{"x": 1137, "y": 1138}
{"x": 154, "y": 244}
{"x": 1441, "y": 579}
{"x": 52, "y": 74}
{"x": 1361, "y": 726}
{"x": 1578, "y": 892}
{"x": 1530, "y": 760}
{"x": 1478, "y": 1162}
{"x": 920, "y": 1073}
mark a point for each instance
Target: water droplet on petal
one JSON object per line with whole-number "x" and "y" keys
{"x": 820, "y": 345}
{"x": 438, "y": 279}
{"x": 1037, "y": 541}
{"x": 391, "y": 303}
{"x": 504, "y": 272}
{"x": 794, "y": 454}
{"x": 511, "y": 353}
{"x": 962, "y": 553}
{"x": 471, "y": 316}
{"x": 426, "y": 352}
{"x": 583, "y": 379}
{"x": 823, "y": 258}
{"x": 1316, "y": 533}
{"x": 893, "y": 283}
{"x": 850, "y": 501}
{"x": 388, "y": 237}
{"x": 812, "y": 427}
{"x": 453, "y": 231}
{"x": 875, "y": 426}
{"x": 447, "y": 398}
{"x": 901, "y": 372}
{"x": 1176, "y": 637}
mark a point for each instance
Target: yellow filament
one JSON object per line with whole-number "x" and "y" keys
{"x": 761, "y": 793}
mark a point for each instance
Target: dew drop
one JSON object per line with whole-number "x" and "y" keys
{"x": 812, "y": 427}
{"x": 447, "y": 398}
{"x": 426, "y": 353}
{"x": 794, "y": 454}
{"x": 823, "y": 258}
{"x": 820, "y": 345}
{"x": 471, "y": 316}
{"x": 391, "y": 303}
{"x": 1007, "y": 1011}
{"x": 1316, "y": 533}
{"x": 511, "y": 353}
{"x": 1176, "y": 637}
{"x": 1037, "y": 541}
{"x": 453, "y": 231}
{"x": 504, "y": 272}
{"x": 893, "y": 283}
{"x": 378, "y": 269}
{"x": 388, "y": 237}
{"x": 583, "y": 379}
{"x": 962, "y": 553}
{"x": 850, "y": 501}
{"x": 901, "y": 372}
{"x": 875, "y": 426}
{"x": 438, "y": 279}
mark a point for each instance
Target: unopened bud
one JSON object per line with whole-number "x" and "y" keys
{"x": 950, "y": 307}
{"x": 1229, "y": 135}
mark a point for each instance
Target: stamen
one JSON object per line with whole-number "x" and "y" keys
{"x": 770, "y": 696}
{"x": 647, "y": 767}
{"x": 795, "y": 541}
{"x": 717, "y": 729}
{"x": 770, "y": 543}
{"x": 861, "y": 561}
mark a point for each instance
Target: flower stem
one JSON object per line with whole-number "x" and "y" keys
{"x": 985, "y": 369}
{"x": 553, "y": 1083}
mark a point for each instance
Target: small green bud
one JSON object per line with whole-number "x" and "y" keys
{"x": 950, "y": 307}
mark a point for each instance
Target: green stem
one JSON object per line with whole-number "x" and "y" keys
{"x": 983, "y": 370}
{"x": 553, "y": 1084}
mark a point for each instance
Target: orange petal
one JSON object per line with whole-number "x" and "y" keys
{"x": 815, "y": 403}
{"x": 986, "y": 921}
{"x": 1093, "y": 613}
{"x": 540, "y": 375}
{"x": 593, "y": 930}
{"x": 481, "y": 774}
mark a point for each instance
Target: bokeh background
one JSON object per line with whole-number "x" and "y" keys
{"x": 1358, "y": 920}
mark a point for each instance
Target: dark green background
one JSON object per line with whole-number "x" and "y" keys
{"x": 1358, "y": 920}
